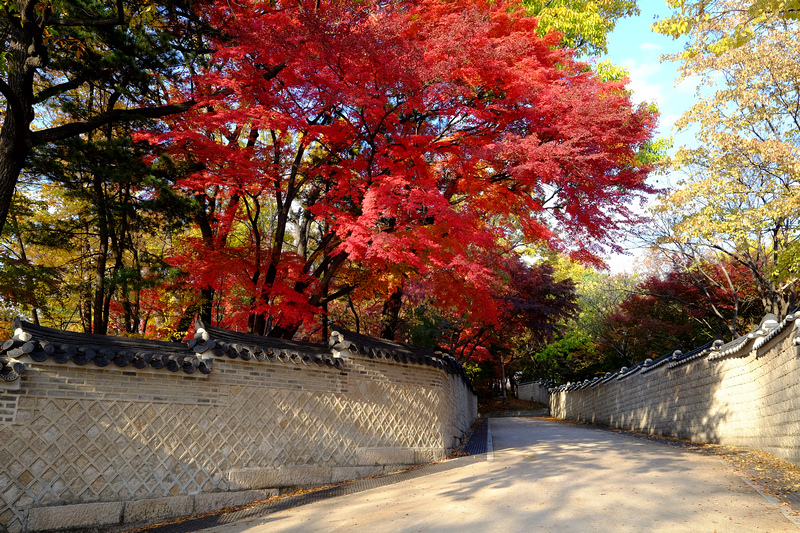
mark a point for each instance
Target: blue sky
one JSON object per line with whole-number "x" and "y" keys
{"x": 634, "y": 46}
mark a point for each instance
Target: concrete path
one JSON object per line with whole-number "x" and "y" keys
{"x": 544, "y": 476}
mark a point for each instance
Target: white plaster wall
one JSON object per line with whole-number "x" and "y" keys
{"x": 86, "y": 446}
{"x": 752, "y": 400}
{"x": 533, "y": 391}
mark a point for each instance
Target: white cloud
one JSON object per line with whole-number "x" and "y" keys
{"x": 666, "y": 121}
{"x": 650, "y": 46}
{"x": 688, "y": 85}
{"x": 643, "y": 88}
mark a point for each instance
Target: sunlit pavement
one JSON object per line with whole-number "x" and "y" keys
{"x": 544, "y": 476}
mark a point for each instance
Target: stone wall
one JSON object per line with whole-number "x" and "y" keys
{"x": 744, "y": 393}
{"x": 534, "y": 391}
{"x": 83, "y": 447}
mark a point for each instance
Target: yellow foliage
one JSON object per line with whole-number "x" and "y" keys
{"x": 723, "y": 24}
{"x": 742, "y": 190}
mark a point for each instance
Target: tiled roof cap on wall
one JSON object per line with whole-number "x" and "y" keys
{"x": 32, "y": 343}
{"x": 715, "y": 350}
{"x": 374, "y": 348}
{"x": 40, "y": 344}
{"x": 679, "y": 358}
{"x": 223, "y": 342}
{"x": 767, "y": 330}
{"x": 541, "y": 381}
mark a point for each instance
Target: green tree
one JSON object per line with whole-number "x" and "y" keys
{"x": 585, "y": 24}
{"x": 25, "y": 283}
{"x": 50, "y": 50}
{"x": 95, "y": 237}
{"x": 584, "y": 346}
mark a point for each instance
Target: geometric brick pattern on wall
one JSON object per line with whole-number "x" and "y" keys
{"x": 159, "y": 436}
{"x": 743, "y": 393}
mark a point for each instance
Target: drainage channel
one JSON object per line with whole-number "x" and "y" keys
{"x": 476, "y": 449}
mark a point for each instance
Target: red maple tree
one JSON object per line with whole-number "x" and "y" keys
{"x": 421, "y": 138}
{"x": 683, "y": 308}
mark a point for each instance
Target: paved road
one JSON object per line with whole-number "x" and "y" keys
{"x": 549, "y": 477}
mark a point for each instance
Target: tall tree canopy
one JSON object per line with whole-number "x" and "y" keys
{"x": 675, "y": 303}
{"x": 719, "y": 25}
{"x": 423, "y": 139}
{"x": 740, "y": 198}
{"x": 52, "y": 50}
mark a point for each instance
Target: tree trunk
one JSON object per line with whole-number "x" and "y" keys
{"x": 325, "y": 321}
{"x": 503, "y": 374}
{"x": 259, "y": 321}
{"x": 15, "y": 139}
{"x": 86, "y": 284}
{"x": 390, "y": 316}
{"x": 355, "y": 314}
{"x": 100, "y": 326}
{"x": 12, "y": 156}
{"x": 24, "y": 258}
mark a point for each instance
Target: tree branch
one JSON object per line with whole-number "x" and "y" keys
{"x": 58, "y": 89}
{"x": 116, "y": 115}
{"x": 345, "y": 290}
{"x": 95, "y": 23}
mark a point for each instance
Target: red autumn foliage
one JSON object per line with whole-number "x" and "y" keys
{"x": 532, "y": 303}
{"x": 419, "y": 137}
{"x": 684, "y": 309}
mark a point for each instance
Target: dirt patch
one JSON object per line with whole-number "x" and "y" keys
{"x": 497, "y": 405}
